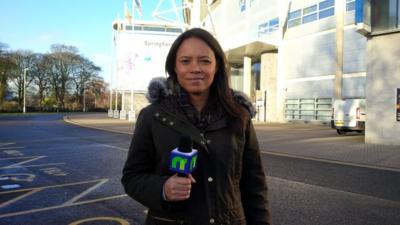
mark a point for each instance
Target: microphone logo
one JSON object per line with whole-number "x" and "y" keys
{"x": 183, "y": 159}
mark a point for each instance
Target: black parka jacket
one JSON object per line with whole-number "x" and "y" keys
{"x": 230, "y": 183}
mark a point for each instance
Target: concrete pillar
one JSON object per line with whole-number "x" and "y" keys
{"x": 195, "y": 14}
{"x": 339, "y": 12}
{"x": 110, "y": 111}
{"x": 383, "y": 80}
{"x": 281, "y": 91}
{"x": 116, "y": 112}
{"x": 132, "y": 115}
{"x": 269, "y": 83}
{"x": 247, "y": 76}
{"x": 122, "y": 113}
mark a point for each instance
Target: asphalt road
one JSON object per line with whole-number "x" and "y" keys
{"x": 56, "y": 173}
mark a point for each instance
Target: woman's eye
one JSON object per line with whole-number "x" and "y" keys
{"x": 205, "y": 61}
{"x": 185, "y": 61}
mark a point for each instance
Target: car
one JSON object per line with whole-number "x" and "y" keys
{"x": 348, "y": 115}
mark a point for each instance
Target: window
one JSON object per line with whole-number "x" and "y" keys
{"x": 309, "y": 14}
{"x": 385, "y": 15}
{"x": 246, "y": 4}
{"x": 154, "y": 28}
{"x": 273, "y": 25}
{"x": 294, "y": 18}
{"x": 326, "y": 9}
{"x": 242, "y": 5}
{"x": 309, "y": 18}
{"x": 255, "y": 72}
{"x": 350, "y": 5}
{"x": 309, "y": 10}
{"x": 295, "y": 14}
{"x": 326, "y": 4}
{"x": 268, "y": 27}
{"x": 312, "y": 13}
{"x": 174, "y": 30}
{"x": 326, "y": 13}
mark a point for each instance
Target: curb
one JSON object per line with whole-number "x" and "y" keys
{"x": 67, "y": 119}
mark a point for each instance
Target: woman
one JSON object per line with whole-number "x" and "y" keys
{"x": 228, "y": 185}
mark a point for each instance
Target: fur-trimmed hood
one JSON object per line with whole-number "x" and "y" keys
{"x": 158, "y": 89}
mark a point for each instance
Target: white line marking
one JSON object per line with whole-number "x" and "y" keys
{"x": 5, "y": 144}
{"x": 10, "y": 186}
{"x": 37, "y": 165}
{"x": 10, "y": 148}
{"x": 76, "y": 198}
{"x": 23, "y": 157}
{"x": 332, "y": 161}
{"x": 54, "y": 186}
{"x": 9, "y": 202}
{"x": 61, "y": 206}
{"x": 115, "y": 147}
{"x": 32, "y": 158}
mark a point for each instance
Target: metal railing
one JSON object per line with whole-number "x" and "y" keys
{"x": 308, "y": 109}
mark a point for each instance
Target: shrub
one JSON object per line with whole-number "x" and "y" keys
{"x": 9, "y": 107}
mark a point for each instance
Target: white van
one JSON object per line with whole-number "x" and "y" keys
{"x": 348, "y": 115}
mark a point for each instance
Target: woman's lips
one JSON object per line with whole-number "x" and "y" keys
{"x": 196, "y": 78}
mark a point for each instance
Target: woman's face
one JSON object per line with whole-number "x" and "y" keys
{"x": 195, "y": 66}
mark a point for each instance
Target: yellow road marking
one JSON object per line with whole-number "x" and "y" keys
{"x": 119, "y": 220}
{"x": 61, "y": 206}
{"x": 9, "y": 202}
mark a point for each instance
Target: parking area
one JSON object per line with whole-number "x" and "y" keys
{"x": 310, "y": 140}
{"x": 321, "y": 142}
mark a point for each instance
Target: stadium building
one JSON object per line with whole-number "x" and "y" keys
{"x": 294, "y": 58}
{"x": 140, "y": 48}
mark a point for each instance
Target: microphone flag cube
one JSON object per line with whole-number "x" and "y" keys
{"x": 183, "y": 162}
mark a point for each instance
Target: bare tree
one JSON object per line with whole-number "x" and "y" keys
{"x": 85, "y": 72}
{"x": 97, "y": 87}
{"x": 41, "y": 72}
{"x": 63, "y": 61}
{"x": 23, "y": 60}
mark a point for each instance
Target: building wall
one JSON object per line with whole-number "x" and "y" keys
{"x": 233, "y": 27}
{"x": 306, "y": 58}
{"x": 310, "y": 58}
{"x": 382, "y": 81}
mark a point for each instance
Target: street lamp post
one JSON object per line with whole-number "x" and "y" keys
{"x": 24, "y": 107}
{"x": 84, "y": 99}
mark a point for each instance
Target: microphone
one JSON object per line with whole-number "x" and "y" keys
{"x": 183, "y": 158}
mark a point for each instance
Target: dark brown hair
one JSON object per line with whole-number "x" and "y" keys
{"x": 220, "y": 86}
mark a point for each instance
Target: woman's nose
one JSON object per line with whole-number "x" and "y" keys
{"x": 195, "y": 67}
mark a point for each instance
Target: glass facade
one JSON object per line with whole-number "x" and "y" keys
{"x": 350, "y": 5}
{"x": 315, "y": 12}
{"x": 236, "y": 81}
{"x": 268, "y": 27}
{"x": 242, "y": 5}
{"x": 255, "y": 76}
{"x": 385, "y": 15}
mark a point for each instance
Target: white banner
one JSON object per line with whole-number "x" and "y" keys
{"x": 140, "y": 57}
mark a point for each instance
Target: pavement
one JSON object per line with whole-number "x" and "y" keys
{"x": 307, "y": 141}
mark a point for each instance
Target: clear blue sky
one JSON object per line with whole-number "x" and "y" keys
{"x": 86, "y": 24}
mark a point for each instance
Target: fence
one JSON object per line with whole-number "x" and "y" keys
{"x": 308, "y": 109}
